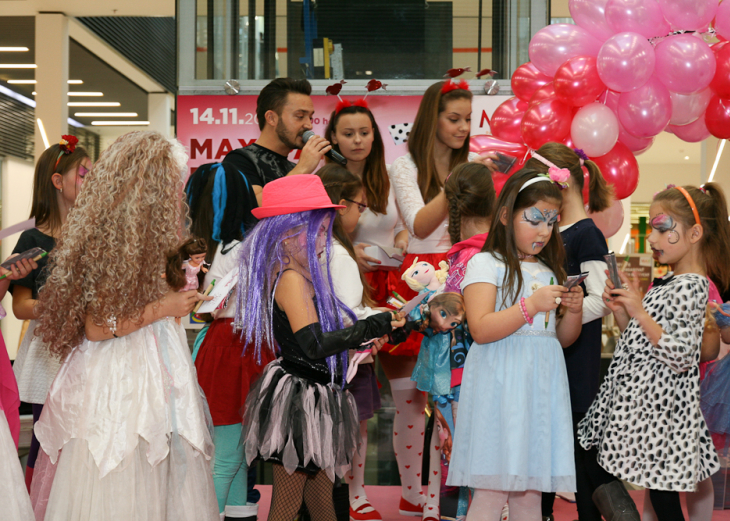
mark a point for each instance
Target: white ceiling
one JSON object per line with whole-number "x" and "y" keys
{"x": 668, "y": 148}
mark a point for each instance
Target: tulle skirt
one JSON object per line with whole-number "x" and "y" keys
{"x": 300, "y": 424}
{"x": 124, "y": 434}
{"x": 715, "y": 403}
{"x": 15, "y": 503}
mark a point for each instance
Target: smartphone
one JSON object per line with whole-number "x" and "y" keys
{"x": 574, "y": 280}
{"x": 33, "y": 253}
{"x": 504, "y": 163}
{"x": 613, "y": 269}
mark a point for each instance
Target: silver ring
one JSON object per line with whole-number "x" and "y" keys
{"x": 625, "y": 286}
{"x": 558, "y": 300}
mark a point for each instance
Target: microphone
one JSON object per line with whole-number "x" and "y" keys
{"x": 334, "y": 156}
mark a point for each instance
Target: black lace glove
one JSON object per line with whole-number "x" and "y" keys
{"x": 317, "y": 344}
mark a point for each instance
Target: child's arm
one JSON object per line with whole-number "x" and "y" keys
{"x": 619, "y": 312}
{"x": 570, "y": 325}
{"x": 174, "y": 304}
{"x": 17, "y": 271}
{"x": 23, "y": 303}
{"x": 675, "y": 347}
{"x": 710, "y": 344}
{"x": 486, "y": 325}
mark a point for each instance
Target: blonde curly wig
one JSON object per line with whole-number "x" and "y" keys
{"x": 112, "y": 251}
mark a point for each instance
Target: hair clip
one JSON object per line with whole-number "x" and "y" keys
{"x": 453, "y": 85}
{"x": 557, "y": 175}
{"x": 582, "y": 155}
{"x": 67, "y": 145}
{"x": 702, "y": 189}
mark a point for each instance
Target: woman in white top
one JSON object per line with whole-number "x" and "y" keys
{"x": 438, "y": 142}
{"x": 353, "y": 132}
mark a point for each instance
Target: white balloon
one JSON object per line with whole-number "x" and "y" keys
{"x": 595, "y": 129}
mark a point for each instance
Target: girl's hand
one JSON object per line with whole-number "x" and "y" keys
{"x": 573, "y": 300}
{"x": 378, "y": 343}
{"x": 629, "y": 296}
{"x": 363, "y": 261}
{"x": 20, "y": 269}
{"x": 544, "y": 299}
{"x": 180, "y": 304}
{"x": 398, "y": 320}
{"x": 402, "y": 245}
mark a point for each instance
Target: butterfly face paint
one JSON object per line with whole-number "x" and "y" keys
{"x": 663, "y": 223}
{"x": 543, "y": 220}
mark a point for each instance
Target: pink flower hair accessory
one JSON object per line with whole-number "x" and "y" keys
{"x": 559, "y": 176}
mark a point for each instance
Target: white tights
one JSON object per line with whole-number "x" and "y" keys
{"x": 486, "y": 505}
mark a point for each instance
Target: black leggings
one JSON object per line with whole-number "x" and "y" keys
{"x": 666, "y": 505}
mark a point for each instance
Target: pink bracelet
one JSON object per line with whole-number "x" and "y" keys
{"x": 523, "y": 308}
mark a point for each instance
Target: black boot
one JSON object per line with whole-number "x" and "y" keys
{"x": 615, "y": 503}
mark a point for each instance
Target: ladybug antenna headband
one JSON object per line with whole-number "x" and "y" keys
{"x": 67, "y": 145}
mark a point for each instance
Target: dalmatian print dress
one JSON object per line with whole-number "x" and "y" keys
{"x": 646, "y": 420}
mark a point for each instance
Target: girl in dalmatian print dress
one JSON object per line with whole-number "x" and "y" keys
{"x": 645, "y": 426}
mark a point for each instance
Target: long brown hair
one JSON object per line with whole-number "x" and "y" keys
{"x": 174, "y": 273}
{"x": 600, "y": 193}
{"x": 470, "y": 194}
{"x": 44, "y": 206}
{"x": 712, "y": 209}
{"x": 375, "y": 176}
{"x": 423, "y": 134}
{"x": 340, "y": 184}
{"x": 501, "y": 239}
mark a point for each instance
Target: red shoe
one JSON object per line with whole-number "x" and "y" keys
{"x": 407, "y": 508}
{"x": 359, "y": 515}
{"x": 431, "y": 513}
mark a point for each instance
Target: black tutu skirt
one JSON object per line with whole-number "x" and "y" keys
{"x": 299, "y": 423}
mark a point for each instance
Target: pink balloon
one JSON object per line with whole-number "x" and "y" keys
{"x": 483, "y": 144}
{"x": 687, "y": 108}
{"x": 526, "y": 80}
{"x": 720, "y": 83}
{"x": 610, "y": 99}
{"x": 722, "y": 20}
{"x": 637, "y": 145}
{"x": 645, "y": 112}
{"x": 594, "y": 129}
{"x": 576, "y": 81}
{"x": 625, "y": 62}
{"x": 690, "y": 15}
{"x": 684, "y": 64}
{"x": 717, "y": 117}
{"x": 546, "y": 121}
{"x": 609, "y": 221}
{"x": 547, "y": 91}
{"x": 638, "y": 16}
{"x": 554, "y": 44}
{"x": 590, "y": 15}
{"x": 620, "y": 169}
{"x": 505, "y": 123}
{"x": 692, "y": 133}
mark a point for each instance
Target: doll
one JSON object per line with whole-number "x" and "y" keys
{"x": 438, "y": 321}
{"x": 422, "y": 276}
{"x": 183, "y": 275}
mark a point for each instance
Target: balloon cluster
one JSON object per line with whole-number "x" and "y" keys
{"x": 628, "y": 70}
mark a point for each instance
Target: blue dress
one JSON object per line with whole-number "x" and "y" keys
{"x": 515, "y": 428}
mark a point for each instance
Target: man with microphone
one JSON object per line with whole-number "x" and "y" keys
{"x": 284, "y": 110}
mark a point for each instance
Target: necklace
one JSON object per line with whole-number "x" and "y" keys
{"x": 523, "y": 256}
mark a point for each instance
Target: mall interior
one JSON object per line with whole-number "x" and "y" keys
{"x": 97, "y": 70}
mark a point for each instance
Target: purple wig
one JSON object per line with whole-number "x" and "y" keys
{"x": 262, "y": 254}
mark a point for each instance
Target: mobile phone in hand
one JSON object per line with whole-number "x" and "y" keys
{"x": 613, "y": 269}
{"x": 574, "y": 280}
{"x": 504, "y": 163}
{"x": 34, "y": 253}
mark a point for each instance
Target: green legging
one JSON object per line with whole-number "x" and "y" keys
{"x": 230, "y": 472}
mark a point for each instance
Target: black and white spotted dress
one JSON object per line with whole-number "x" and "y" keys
{"x": 646, "y": 420}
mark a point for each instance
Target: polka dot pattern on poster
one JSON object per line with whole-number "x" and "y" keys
{"x": 400, "y": 132}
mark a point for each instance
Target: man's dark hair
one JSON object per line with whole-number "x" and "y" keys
{"x": 273, "y": 96}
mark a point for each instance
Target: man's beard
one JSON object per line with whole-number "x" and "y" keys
{"x": 282, "y": 134}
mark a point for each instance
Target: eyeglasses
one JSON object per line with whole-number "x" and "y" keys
{"x": 361, "y": 207}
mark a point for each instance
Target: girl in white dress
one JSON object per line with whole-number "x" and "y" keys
{"x": 124, "y": 428}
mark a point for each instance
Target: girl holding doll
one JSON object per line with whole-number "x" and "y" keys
{"x": 298, "y": 414}
{"x": 514, "y": 438}
{"x": 645, "y": 426}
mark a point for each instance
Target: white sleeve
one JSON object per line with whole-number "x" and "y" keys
{"x": 222, "y": 266}
{"x": 593, "y": 305}
{"x": 404, "y": 178}
{"x": 481, "y": 268}
{"x": 347, "y": 284}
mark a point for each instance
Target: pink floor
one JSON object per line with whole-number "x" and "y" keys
{"x": 385, "y": 499}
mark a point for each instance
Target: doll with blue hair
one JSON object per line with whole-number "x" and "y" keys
{"x": 298, "y": 415}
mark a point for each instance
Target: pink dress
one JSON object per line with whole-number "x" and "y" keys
{"x": 191, "y": 275}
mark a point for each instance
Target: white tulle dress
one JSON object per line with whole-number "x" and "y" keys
{"x": 124, "y": 434}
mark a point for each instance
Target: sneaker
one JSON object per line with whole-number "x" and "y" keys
{"x": 407, "y": 508}
{"x": 365, "y": 512}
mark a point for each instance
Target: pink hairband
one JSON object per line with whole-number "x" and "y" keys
{"x": 558, "y": 175}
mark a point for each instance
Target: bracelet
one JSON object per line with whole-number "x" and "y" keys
{"x": 523, "y": 309}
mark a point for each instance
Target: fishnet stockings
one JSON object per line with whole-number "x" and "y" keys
{"x": 289, "y": 490}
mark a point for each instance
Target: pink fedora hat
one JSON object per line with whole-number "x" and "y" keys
{"x": 293, "y": 194}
